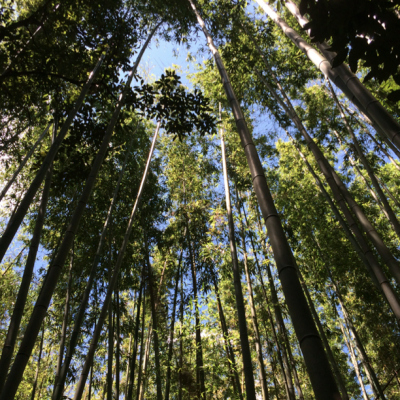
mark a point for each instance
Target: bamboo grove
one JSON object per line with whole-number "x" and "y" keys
{"x": 235, "y": 239}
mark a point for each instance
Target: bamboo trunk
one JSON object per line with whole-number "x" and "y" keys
{"x": 38, "y": 366}
{"x": 228, "y": 347}
{"x": 200, "y": 378}
{"x": 354, "y": 361}
{"x": 389, "y": 212}
{"x": 117, "y": 355}
{"x": 331, "y": 357}
{"x": 317, "y": 363}
{"x": 89, "y": 357}
{"x": 153, "y": 301}
{"x": 15, "y": 321}
{"x": 338, "y": 188}
{"x": 181, "y": 341}
{"x": 171, "y": 334}
{"x": 263, "y": 376}
{"x": 85, "y": 298}
{"x": 330, "y": 176}
{"x": 241, "y": 312}
{"x": 342, "y": 77}
{"x": 92, "y": 275}
{"x": 132, "y": 360}
{"x": 139, "y": 380}
{"x": 14, "y": 225}
{"x": 281, "y": 352}
{"x": 65, "y": 320}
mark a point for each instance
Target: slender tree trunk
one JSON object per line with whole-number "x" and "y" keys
{"x": 338, "y": 188}
{"x": 395, "y": 201}
{"x": 292, "y": 363}
{"x": 263, "y": 376}
{"x": 241, "y": 312}
{"x": 23, "y": 162}
{"x": 153, "y": 301}
{"x": 128, "y": 362}
{"x": 92, "y": 275}
{"x": 145, "y": 363}
{"x": 348, "y": 233}
{"x": 322, "y": 379}
{"x": 38, "y": 365}
{"x": 201, "y": 387}
{"x": 389, "y": 212}
{"x": 286, "y": 375}
{"x": 342, "y": 77}
{"x": 90, "y": 383}
{"x": 110, "y": 355}
{"x": 181, "y": 341}
{"x": 370, "y": 372}
{"x": 132, "y": 361}
{"x": 117, "y": 355}
{"x": 379, "y": 145}
{"x": 139, "y": 380}
{"x": 89, "y": 357}
{"x": 353, "y": 360}
{"x": 359, "y": 173}
{"x": 171, "y": 334}
{"x": 18, "y": 311}
{"x": 325, "y": 340}
{"x": 378, "y": 391}
{"x": 85, "y": 299}
{"x": 65, "y": 320}
{"x": 329, "y": 175}
{"x": 12, "y": 229}
{"x": 228, "y": 347}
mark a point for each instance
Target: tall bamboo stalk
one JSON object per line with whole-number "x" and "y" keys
{"x": 263, "y": 376}
{"x": 281, "y": 350}
{"x": 334, "y": 182}
{"x": 117, "y": 355}
{"x": 317, "y": 363}
{"x": 244, "y": 339}
{"x": 353, "y": 359}
{"x": 15, "y": 321}
{"x": 79, "y": 318}
{"x": 171, "y": 334}
{"x": 14, "y": 225}
{"x": 153, "y": 301}
{"x": 342, "y": 77}
{"x": 89, "y": 357}
{"x": 228, "y": 347}
{"x": 331, "y": 357}
{"x": 339, "y": 189}
{"x": 65, "y": 319}
{"x": 132, "y": 360}
{"x": 38, "y": 365}
{"x": 392, "y": 217}
{"x": 139, "y": 379}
